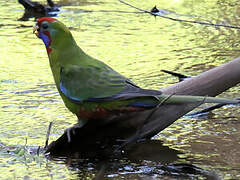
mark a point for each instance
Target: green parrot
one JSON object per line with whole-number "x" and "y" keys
{"x": 91, "y": 89}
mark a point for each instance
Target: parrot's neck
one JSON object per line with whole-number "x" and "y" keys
{"x": 64, "y": 53}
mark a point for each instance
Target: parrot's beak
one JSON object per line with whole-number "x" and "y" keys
{"x": 35, "y": 30}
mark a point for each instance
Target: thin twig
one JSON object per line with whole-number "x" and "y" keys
{"x": 146, "y": 11}
{"x": 38, "y": 150}
{"x": 136, "y": 136}
{"x": 48, "y": 134}
{"x": 111, "y": 11}
{"x": 181, "y": 20}
{"x": 209, "y": 109}
{"x": 156, "y": 108}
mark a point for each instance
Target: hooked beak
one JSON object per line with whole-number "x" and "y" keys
{"x": 35, "y": 30}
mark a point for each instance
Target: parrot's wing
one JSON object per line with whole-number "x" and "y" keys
{"x": 98, "y": 84}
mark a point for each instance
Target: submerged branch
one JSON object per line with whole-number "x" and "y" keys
{"x": 48, "y": 134}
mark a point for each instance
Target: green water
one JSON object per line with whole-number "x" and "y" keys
{"x": 138, "y": 46}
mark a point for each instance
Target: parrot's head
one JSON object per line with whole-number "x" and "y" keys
{"x": 52, "y": 32}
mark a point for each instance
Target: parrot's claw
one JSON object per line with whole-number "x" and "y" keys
{"x": 69, "y": 131}
{"x": 72, "y": 130}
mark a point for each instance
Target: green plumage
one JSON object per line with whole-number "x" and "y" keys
{"x": 88, "y": 86}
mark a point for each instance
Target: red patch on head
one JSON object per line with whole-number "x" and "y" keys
{"x": 49, "y": 19}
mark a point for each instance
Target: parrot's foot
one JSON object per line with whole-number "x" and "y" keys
{"x": 72, "y": 131}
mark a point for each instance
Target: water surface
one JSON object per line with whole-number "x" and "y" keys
{"x": 138, "y": 46}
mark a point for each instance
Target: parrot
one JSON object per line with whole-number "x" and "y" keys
{"x": 91, "y": 89}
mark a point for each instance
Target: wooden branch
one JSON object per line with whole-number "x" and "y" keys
{"x": 92, "y": 135}
{"x": 209, "y": 83}
{"x": 36, "y": 9}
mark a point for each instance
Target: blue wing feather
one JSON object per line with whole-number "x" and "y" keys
{"x": 129, "y": 91}
{"x": 65, "y": 92}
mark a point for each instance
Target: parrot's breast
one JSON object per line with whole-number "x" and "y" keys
{"x": 103, "y": 113}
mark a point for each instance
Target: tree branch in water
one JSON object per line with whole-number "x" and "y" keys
{"x": 155, "y": 12}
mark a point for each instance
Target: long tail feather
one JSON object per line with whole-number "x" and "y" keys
{"x": 178, "y": 99}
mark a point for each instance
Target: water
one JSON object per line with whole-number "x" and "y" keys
{"x": 138, "y": 46}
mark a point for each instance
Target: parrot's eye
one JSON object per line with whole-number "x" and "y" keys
{"x": 44, "y": 26}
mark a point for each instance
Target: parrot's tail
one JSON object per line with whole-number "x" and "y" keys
{"x": 178, "y": 99}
